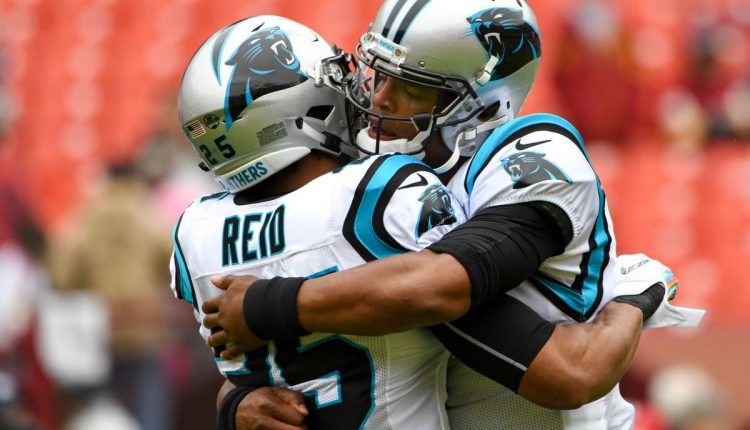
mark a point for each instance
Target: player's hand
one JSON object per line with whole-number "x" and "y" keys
{"x": 272, "y": 408}
{"x": 226, "y": 320}
{"x": 636, "y": 274}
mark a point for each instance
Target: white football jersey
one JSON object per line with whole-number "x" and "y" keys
{"x": 372, "y": 208}
{"x": 541, "y": 158}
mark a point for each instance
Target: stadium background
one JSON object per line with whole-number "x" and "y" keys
{"x": 660, "y": 90}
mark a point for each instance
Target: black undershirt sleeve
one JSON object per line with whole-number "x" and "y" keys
{"x": 501, "y": 246}
{"x": 499, "y": 339}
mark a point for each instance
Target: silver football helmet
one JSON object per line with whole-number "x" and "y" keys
{"x": 482, "y": 55}
{"x": 261, "y": 94}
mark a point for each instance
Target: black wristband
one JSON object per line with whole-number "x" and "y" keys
{"x": 225, "y": 420}
{"x": 270, "y": 308}
{"x": 648, "y": 301}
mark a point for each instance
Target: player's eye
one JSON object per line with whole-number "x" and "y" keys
{"x": 419, "y": 92}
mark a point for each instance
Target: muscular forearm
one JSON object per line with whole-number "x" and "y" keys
{"x": 386, "y": 296}
{"x": 582, "y": 362}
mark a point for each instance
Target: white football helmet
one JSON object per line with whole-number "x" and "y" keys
{"x": 261, "y": 94}
{"x": 483, "y": 55}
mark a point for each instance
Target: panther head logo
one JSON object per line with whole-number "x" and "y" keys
{"x": 437, "y": 209}
{"x": 527, "y": 168}
{"x": 263, "y": 63}
{"x": 504, "y": 34}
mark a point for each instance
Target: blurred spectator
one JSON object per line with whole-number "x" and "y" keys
{"x": 736, "y": 108}
{"x": 102, "y": 413}
{"x": 26, "y": 392}
{"x": 169, "y": 163}
{"x": 5, "y": 108}
{"x": 717, "y": 74}
{"x": 592, "y": 72}
{"x": 74, "y": 334}
{"x": 120, "y": 251}
{"x": 683, "y": 120}
{"x": 689, "y": 399}
{"x": 705, "y": 77}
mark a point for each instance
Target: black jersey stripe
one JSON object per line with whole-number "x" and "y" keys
{"x": 364, "y": 228}
{"x": 177, "y": 278}
{"x": 385, "y": 198}
{"x": 600, "y": 244}
{"x": 181, "y": 269}
{"x": 215, "y": 196}
{"x": 348, "y": 230}
{"x": 588, "y": 286}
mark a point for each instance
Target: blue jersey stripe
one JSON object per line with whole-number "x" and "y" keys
{"x": 332, "y": 269}
{"x": 570, "y": 297}
{"x": 598, "y": 258}
{"x": 377, "y": 185}
{"x": 581, "y": 299}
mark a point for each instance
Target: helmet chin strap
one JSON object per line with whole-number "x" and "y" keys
{"x": 450, "y": 163}
{"x": 322, "y": 138}
{"x": 470, "y": 134}
{"x": 401, "y": 146}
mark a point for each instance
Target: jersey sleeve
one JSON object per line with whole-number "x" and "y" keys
{"x": 399, "y": 205}
{"x": 536, "y": 158}
{"x": 421, "y": 211}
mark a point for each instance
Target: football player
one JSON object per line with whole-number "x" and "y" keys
{"x": 539, "y": 227}
{"x": 257, "y": 110}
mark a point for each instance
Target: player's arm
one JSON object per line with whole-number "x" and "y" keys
{"x": 266, "y": 408}
{"x": 583, "y": 362}
{"x": 489, "y": 254}
{"x": 563, "y": 366}
{"x": 555, "y": 366}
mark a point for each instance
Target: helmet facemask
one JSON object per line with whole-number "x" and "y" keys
{"x": 485, "y": 52}
{"x": 457, "y": 102}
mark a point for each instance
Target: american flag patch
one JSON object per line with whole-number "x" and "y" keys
{"x": 195, "y": 129}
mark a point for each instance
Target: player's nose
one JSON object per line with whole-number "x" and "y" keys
{"x": 383, "y": 96}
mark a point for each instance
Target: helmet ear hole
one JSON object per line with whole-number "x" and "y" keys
{"x": 489, "y": 112}
{"x": 321, "y": 112}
